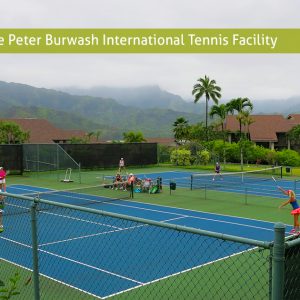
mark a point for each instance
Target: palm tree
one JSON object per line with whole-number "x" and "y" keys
{"x": 181, "y": 128}
{"x": 239, "y": 105}
{"x": 208, "y": 88}
{"x": 221, "y": 111}
{"x": 133, "y": 137}
{"x": 247, "y": 121}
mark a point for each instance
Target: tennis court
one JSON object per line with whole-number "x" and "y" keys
{"x": 119, "y": 255}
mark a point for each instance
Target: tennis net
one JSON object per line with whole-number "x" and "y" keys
{"x": 254, "y": 176}
{"x": 82, "y": 196}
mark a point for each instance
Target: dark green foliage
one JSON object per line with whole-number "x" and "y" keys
{"x": 11, "y": 133}
{"x": 10, "y": 289}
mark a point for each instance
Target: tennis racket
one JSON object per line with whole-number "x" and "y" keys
{"x": 275, "y": 182}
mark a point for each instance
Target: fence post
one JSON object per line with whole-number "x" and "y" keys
{"x": 278, "y": 259}
{"x": 35, "y": 250}
{"x": 79, "y": 168}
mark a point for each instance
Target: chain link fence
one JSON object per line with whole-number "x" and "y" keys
{"x": 62, "y": 251}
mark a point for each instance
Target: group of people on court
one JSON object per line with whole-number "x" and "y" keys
{"x": 121, "y": 182}
{"x": 126, "y": 181}
{"x": 2, "y": 197}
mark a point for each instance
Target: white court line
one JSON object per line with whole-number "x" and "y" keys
{"x": 189, "y": 216}
{"x": 186, "y": 216}
{"x": 91, "y": 267}
{"x": 65, "y": 216}
{"x": 75, "y": 261}
{"x": 90, "y": 235}
{"x": 103, "y": 233}
{"x": 180, "y": 272}
{"x": 51, "y": 278}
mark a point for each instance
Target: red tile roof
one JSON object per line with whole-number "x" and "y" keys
{"x": 42, "y": 131}
{"x": 264, "y": 127}
{"x": 162, "y": 141}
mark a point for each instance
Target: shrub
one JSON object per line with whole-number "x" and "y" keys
{"x": 288, "y": 158}
{"x": 204, "y": 156}
{"x": 181, "y": 157}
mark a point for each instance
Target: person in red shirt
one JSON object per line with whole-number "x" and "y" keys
{"x": 2, "y": 189}
{"x": 2, "y": 179}
{"x": 130, "y": 180}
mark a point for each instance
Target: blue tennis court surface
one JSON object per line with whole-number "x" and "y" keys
{"x": 120, "y": 265}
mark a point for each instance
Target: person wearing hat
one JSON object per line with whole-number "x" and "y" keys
{"x": 130, "y": 180}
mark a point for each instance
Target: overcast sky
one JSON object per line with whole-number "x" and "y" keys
{"x": 256, "y": 76}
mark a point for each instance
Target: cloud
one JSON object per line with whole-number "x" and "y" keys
{"x": 247, "y": 75}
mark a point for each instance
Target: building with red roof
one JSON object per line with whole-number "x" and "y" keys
{"x": 266, "y": 130}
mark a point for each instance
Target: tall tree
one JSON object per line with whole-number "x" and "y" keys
{"x": 210, "y": 90}
{"x": 181, "y": 130}
{"x": 240, "y": 105}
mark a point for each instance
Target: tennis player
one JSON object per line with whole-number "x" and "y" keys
{"x": 121, "y": 165}
{"x": 1, "y": 212}
{"x": 217, "y": 171}
{"x": 2, "y": 179}
{"x": 295, "y": 208}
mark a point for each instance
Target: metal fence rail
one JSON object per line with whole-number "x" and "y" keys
{"x": 65, "y": 251}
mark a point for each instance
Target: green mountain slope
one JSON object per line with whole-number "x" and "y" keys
{"x": 141, "y": 97}
{"x": 86, "y": 112}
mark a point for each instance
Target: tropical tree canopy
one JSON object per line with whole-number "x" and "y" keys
{"x": 221, "y": 111}
{"x": 294, "y": 133}
{"x": 133, "y": 137}
{"x": 243, "y": 107}
{"x": 181, "y": 130}
{"x": 209, "y": 89}
{"x": 11, "y": 133}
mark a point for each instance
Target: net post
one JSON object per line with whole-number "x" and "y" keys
{"x": 278, "y": 262}
{"x": 131, "y": 190}
{"x": 280, "y": 171}
{"x": 191, "y": 182}
{"x": 35, "y": 258}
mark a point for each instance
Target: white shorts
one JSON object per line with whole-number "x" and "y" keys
{"x": 2, "y": 180}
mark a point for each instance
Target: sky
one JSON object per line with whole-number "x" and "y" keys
{"x": 256, "y": 76}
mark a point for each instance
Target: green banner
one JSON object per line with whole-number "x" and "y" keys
{"x": 130, "y": 40}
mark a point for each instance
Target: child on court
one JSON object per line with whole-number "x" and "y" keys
{"x": 295, "y": 208}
